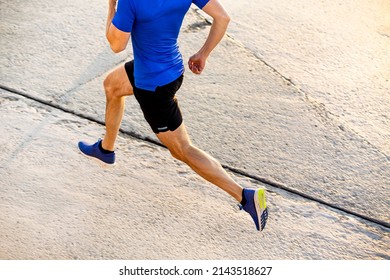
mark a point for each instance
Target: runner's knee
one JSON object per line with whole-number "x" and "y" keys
{"x": 111, "y": 88}
{"x": 176, "y": 153}
{"x": 180, "y": 152}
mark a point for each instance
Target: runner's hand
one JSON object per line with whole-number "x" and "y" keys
{"x": 197, "y": 63}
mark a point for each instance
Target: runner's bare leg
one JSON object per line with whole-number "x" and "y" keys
{"x": 117, "y": 86}
{"x": 180, "y": 146}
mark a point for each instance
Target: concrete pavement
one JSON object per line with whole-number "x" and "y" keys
{"x": 57, "y": 204}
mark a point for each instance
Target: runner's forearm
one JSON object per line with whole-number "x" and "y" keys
{"x": 217, "y": 31}
{"x": 110, "y": 14}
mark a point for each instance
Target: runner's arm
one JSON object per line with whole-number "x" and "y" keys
{"x": 221, "y": 19}
{"x": 118, "y": 39}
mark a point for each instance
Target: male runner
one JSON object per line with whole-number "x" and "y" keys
{"x": 154, "y": 76}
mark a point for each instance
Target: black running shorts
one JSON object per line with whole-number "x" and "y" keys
{"x": 160, "y": 107}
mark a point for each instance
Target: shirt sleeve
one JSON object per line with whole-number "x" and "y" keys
{"x": 124, "y": 16}
{"x": 200, "y": 3}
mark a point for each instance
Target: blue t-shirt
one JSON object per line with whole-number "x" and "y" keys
{"x": 154, "y": 27}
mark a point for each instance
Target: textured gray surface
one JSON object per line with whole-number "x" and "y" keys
{"x": 57, "y": 204}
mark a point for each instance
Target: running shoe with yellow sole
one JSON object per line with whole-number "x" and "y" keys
{"x": 255, "y": 204}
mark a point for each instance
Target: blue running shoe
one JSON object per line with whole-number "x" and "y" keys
{"x": 256, "y": 206}
{"x": 94, "y": 151}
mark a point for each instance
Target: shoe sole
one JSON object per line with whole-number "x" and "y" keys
{"x": 261, "y": 206}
